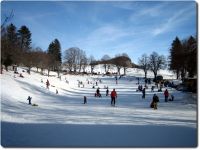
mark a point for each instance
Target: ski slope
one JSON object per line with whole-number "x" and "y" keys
{"x": 62, "y": 120}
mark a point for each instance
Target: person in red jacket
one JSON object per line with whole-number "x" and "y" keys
{"x": 166, "y": 93}
{"x": 113, "y": 96}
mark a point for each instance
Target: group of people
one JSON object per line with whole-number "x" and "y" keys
{"x": 113, "y": 95}
{"x": 155, "y": 99}
{"x": 98, "y": 94}
{"x": 48, "y": 84}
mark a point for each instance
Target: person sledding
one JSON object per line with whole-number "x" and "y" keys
{"x": 140, "y": 88}
{"x": 171, "y": 98}
{"x": 20, "y": 75}
{"x": 154, "y": 101}
{"x": 113, "y": 97}
{"x": 29, "y": 101}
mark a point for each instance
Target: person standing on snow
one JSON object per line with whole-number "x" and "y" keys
{"x": 107, "y": 92}
{"x": 116, "y": 80}
{"x": 47, "y": 84}
{"x": 29, "y": 100}
{"x": 154, "y": 101}
{"x": 166, "y": 93}
{"x": 143, "y": 93}
{"x": 97, "y": 91}
{"x": 85, "y": 99}
{"x": 113, "y": 97}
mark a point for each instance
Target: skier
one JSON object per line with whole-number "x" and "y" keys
{"x": 166, "y": 93}
{"x": 29, "y": 100}
{"x": 85, "y": 99}
{"x": 113, "y": 96}
{"x": 56, "y": 91}
{"x": 143, "y": 93}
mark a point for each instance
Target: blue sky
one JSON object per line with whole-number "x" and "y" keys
{"x": 99, "y": 27}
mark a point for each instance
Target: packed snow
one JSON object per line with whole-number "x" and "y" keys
{"x": 62, "y": 120}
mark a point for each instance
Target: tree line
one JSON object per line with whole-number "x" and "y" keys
{"x": 75, "y": 60}
{"x": 16, "y": 49}
{"x": 182, "y": 59}
{"x": 154, "y": 62}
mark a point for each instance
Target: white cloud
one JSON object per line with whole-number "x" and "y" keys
{"x": 178, "y": 18}
{"x": 145, "y": 11}
{"x": 106, "y": 34}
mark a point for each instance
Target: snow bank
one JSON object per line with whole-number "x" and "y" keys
{"x": 62, "y": 120}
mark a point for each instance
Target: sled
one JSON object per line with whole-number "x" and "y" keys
{"x": 34, "y": 104}
{"x": 152, "y": 105}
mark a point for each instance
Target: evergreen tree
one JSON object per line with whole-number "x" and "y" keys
{"x": 9, "y": 50}
{"x": 12, "y": 34}
{"x": 57, "y": 51}
{"x": 25, "y": 38}
{"x": 191, "y": 56}
{"x": 54, "y": 51}
{"x": 183, "y": 57}
{"x": 175, "y": 56}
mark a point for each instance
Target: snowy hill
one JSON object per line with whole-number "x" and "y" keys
{"x": 62, "y": 120}
{"x": 133, "y": 72}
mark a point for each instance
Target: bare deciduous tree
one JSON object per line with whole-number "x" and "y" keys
{"x": 105, "y": 62}
{"x": 144, "y": 64}
{"x": 156, "y": 63}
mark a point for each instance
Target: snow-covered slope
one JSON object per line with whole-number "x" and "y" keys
{"x": 66, "y": 110}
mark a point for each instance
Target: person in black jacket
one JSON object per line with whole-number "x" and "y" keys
{"x": 85, "y": 99}
{"x": 143, "y": 93}
{"x": 107, "y": 92}
{"x": 29, "y": 100}
{"x": 154, "y": 101}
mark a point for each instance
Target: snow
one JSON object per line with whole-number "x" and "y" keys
{"x": 62, "y": 120}
{"x": 68, "y": 135}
